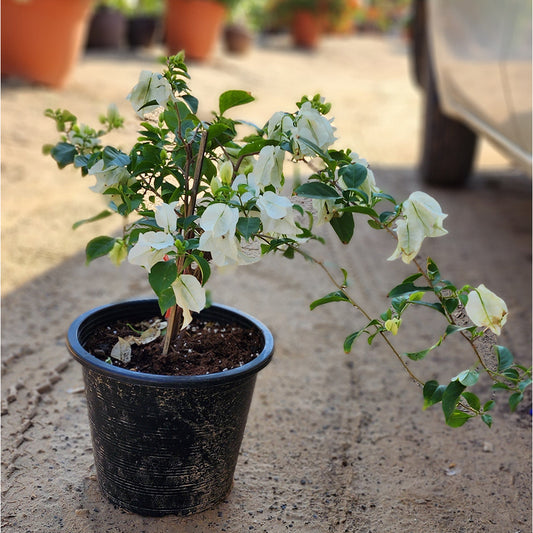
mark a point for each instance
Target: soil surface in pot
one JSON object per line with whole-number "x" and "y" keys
{"x": 204, "y": 347}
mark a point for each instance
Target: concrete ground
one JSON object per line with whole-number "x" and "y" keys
{"x": 334, "y": 442}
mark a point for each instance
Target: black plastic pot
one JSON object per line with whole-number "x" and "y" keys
{"x": 143, "y": 31}
{"x": 107, "y": 29}
{"x": 165, "y": 444}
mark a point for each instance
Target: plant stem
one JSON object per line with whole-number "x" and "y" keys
{"x": 175, "y": 317}
{"x": 342, "y": 288}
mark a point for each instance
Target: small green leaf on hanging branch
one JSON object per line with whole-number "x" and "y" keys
{"x": 505, "y": 357}
{"x": 337, "y": 296}
{"x": 99, "y": 216}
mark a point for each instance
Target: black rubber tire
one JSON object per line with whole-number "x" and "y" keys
{"x": 448, "y": 146}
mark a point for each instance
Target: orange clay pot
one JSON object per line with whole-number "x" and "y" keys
{"x": 193, "y": 26}
{"x": 306, "y": 29}
{"x": 43, "y": 39}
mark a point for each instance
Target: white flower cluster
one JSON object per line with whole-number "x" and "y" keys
{"x": 256, "y": 193}
{"x": 421, "y": 217}
{"x": 260, "y": 185}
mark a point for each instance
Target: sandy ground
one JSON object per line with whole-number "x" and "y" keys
{"x": 334, "y": 442}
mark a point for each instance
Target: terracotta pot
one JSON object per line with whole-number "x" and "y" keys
{"x": 107, "y": 29}
{"x": 43, "y": 39}
{"x": 165, "y": 444}
{"x": 193, "y": 26}
{"x": 306, "y": 29}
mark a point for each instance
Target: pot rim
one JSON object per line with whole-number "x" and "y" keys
{"x": 91, "y": 362}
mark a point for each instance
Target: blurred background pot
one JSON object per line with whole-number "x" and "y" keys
{"x": 43, "y": 39}
{"x": 165, "y": 444}
{"x": 193, "y": 26}
{"x": 143, "y": 31}
{"x": 237, "y": 38}
{"x": 107, "y": 28}
{"x": 306, "y": 29}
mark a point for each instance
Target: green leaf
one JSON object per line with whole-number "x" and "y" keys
{"x": 337, "y": 296}
{"x": 487, "y": 419}
{"x": 511, "y": 373}
{"x": 473, "y": 400}
{"x": 514, "y": 400}
{"x": 99, "y": 216}
{"x": 432, "y": 270}
{"x": 98, "y": 247}
{"x": 162, "y": 275}
{"x": 505, "y": 357}
{"x": 230, "y": 99}
{"x": 374, "y": 224}
{"x": 450, "y": 398}
{"x": 524, "y": 384}
{"x": 344, "y": 227}
{"x": 167, "y": 299}
{"x": 318, "y": 190}
{"x": 114, "y": 157}
{"x": 467, "y": 377}
{"x": 452, "y": 328}
{"x": 255, "y": 147}
{"x": 457, "y": 419}
{"x": 500, "y": 386}
{"x": 489, "y": 405}
{"x": 350, "y": 339}
{"x": 432, "y": 305}
{"x": 432, "y": 393}
{"x": 64, "y": 154}
{"x": 248, "y": 226}
{"x": 451, "y": 304}
{"x": 416, "y": 356}
{"x": 411, "y": 278}
{"x": 360, "y": 209}
{"x": 353, "y": 175}
{"x": 191, "y": 101}
{"x": 204, "y": 266}
{"x": 406, "y": 288}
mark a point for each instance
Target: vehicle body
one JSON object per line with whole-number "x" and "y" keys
{"x": 473, "y": 60}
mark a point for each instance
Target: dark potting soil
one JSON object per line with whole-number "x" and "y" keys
{"x": 204, "y": 347}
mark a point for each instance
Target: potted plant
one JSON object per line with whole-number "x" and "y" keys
{"x": 107, "y": 29}
{"x": 243, "y": 22}
{"x": 144, "y": 23}
{"x": 194, "y": 26}
{"x": 307, "y": 19}
{"x": 167, "y": 409}
{"x": 56, "y": 28}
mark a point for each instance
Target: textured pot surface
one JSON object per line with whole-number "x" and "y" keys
{"x": 165, "y": 444}
{"x": 194, "y": 26}
{"x": 43, "y": 39}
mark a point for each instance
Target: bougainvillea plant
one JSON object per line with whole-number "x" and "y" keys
{"x": 196, "y": 193}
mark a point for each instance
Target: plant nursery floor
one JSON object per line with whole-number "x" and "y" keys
{"x": 334, "y": 442}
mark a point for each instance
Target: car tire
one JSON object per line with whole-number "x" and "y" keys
{"x": 448, "y": 146}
